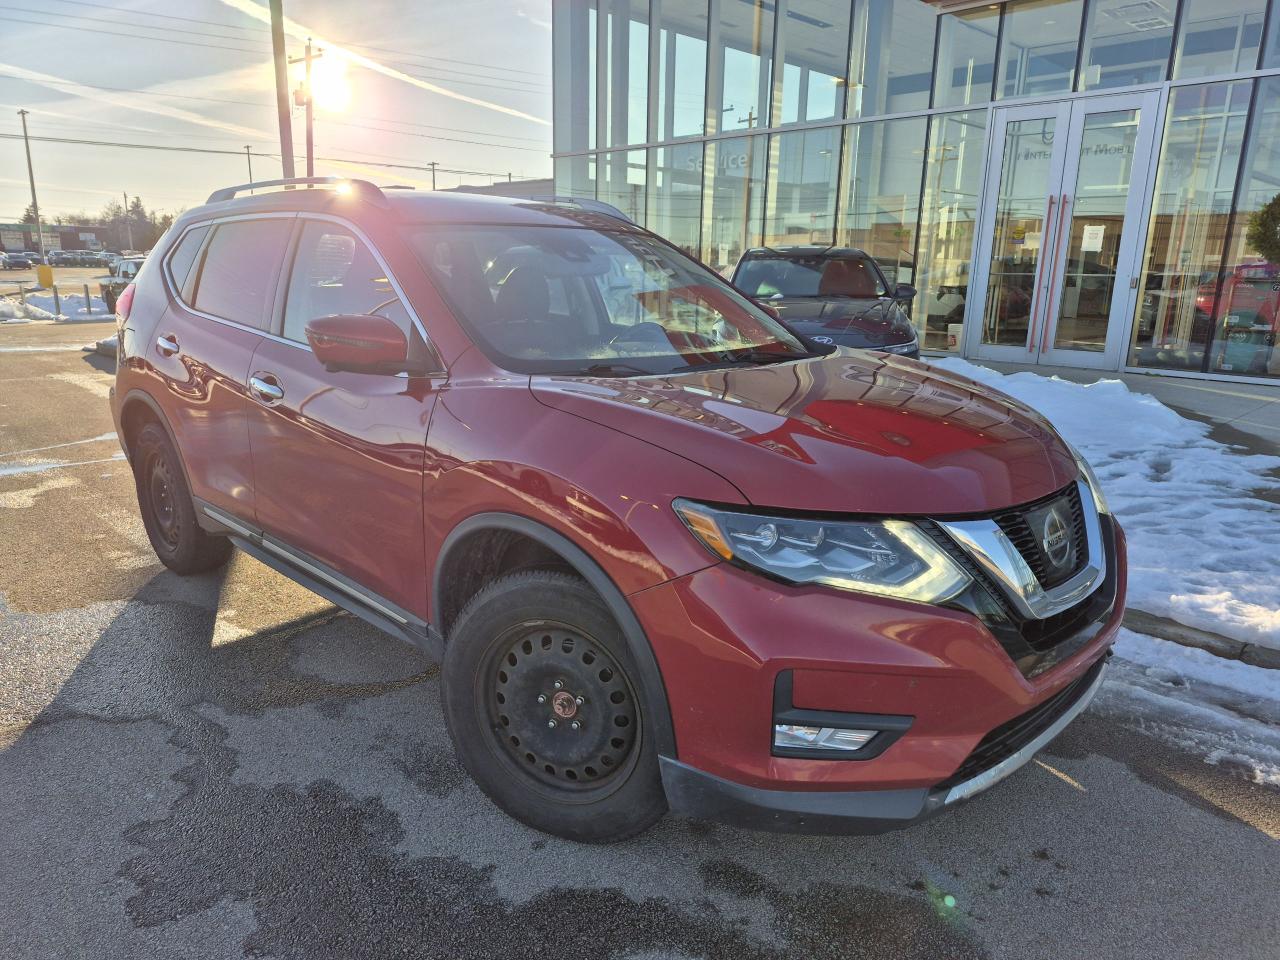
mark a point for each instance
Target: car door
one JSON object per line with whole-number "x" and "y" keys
{"x": 222, "y": 280}
{"x": 338, "y": 457}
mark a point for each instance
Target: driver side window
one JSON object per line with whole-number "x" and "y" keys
{"x": 335, "y": 273}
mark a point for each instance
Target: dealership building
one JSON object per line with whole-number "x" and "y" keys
{"x": 1082, "y": 183}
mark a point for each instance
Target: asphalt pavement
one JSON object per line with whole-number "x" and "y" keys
{"x": 227, "y": 766}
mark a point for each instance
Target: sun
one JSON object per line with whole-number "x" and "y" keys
{"x": 330, "y": 87}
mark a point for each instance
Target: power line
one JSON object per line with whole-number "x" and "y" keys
{"x": 254, "y": 103}
{"x": 349, "y": 43}
{"x": 241, "y": 152}
{"x": 528, "y": 87}
{"x": 435, "y": 78}
{"x": 131, "y": 36}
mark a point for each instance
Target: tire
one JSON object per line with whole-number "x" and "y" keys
{"x": 168, "y": 512}
{"x": 596, "y": 782}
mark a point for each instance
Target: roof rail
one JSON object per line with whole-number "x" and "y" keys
{"x": 596, "y": 206}
{"x": 366, "y": 190}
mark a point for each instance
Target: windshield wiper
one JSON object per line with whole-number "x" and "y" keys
{"x": 755, "y": 358}
{"x": 768, "y": 356}
{"x": 614, "y": 370}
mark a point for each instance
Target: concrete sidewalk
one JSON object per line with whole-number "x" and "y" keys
{"x": 1243, "y": 413}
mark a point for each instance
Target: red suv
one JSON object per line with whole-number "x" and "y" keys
{"x": 671, "y": 554}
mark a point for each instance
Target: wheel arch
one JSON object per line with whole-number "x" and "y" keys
{"x": 138, "y": 409}
{"x": 581, "y": 563}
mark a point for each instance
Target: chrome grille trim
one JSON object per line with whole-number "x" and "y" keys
{"x": 992, "y": 550}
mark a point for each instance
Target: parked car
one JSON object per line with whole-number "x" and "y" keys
{"x": 17, "y": 261}
{"x": 123, "y": 272}
{"x": 670, "y": 555}
{"x": 831, "y": 295}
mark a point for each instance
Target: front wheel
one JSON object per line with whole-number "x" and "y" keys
{"x": 541, "y": 701}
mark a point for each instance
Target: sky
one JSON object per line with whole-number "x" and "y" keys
{"x": 464, "y": 84}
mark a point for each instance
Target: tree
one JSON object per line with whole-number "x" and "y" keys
{"x": 1263, "y": 234}
{"x": 29, "y": 215}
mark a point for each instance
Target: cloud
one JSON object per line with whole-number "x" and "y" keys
{"x": 299, "y": 32}
{"x": 129, "y": 102}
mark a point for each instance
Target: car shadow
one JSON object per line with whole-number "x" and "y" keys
{"x": 302, "y": 772}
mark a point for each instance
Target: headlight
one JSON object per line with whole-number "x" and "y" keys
{"x": 890, "y": 558}
{"x": 1099, "y": 501}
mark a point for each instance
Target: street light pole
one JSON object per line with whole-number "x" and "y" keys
{"x": 35, "y": 205}
{"x": 308, "y": 102}
{"x": 128, "y": 224}
{"x": 282, "y": 89}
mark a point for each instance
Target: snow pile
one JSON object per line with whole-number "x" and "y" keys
{"x": 12, "y": 309}
{"x": 1225, "y": 710}
{"x": 1204, "y": 550}
{"x": 73, "y": 304}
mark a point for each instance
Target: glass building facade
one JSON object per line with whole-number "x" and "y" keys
{"x": 1076, "y": 182}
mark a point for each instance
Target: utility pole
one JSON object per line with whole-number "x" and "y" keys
{"x": 249, "y": 159}
{"x": 432, "y": 165}
{"x": 128, "y": 223}
{"x": 282, "y": 88}
{"x": 35, "y": 206}
{"x": 303, "y": 97}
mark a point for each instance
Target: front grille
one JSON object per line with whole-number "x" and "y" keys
{"x": 1010, "y": 737}
{"x": 1035, "y": 645}
{"x": 1018, "y": 527}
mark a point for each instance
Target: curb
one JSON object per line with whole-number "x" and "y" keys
{"x": 1163, "y": 628}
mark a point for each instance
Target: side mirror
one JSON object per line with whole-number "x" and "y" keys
{"x": 360, "y": 344}
{"x": 904, "y": 291}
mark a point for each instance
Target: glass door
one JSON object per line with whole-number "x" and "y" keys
{"x": 1061, "y": 230}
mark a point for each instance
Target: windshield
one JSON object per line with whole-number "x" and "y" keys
{"x": 777, "y": 277}
{"x": 576, "y": 300}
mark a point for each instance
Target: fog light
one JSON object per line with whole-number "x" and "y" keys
{"x": 797, "y": 736}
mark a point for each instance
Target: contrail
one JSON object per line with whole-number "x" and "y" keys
{"x": 299, "y": 32}
{"x": 127, "y": 102}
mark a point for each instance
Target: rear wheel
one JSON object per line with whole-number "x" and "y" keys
{"x": 542, "y": 704}
{"x": 168, "y": 512}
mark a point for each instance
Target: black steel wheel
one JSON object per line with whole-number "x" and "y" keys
{"x": 541, "y": 700}
{"x": 560, "y": 706}
{"x": 168, "y": 512}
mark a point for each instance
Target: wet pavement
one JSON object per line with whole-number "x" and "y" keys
{"x": 227, "y": 766}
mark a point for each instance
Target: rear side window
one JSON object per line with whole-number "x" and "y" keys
{"x": 184, "y": 255}
{"x": 240, "y": 270}
{"x": 335, "y": 273}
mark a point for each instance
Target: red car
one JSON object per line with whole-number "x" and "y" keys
{"x": 671, "y": 554}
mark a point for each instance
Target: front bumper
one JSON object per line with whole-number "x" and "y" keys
{"x": 694, "y": 793}
{"x": 724, "y": 636}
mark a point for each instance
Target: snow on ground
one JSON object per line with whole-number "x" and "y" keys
{"x": 1224, "y": 710}
{"x": 12, "y": 309}
{"x": 40, "y": 306}
{"x": 73, "y": 304}
{"x": 1204, "y": 549}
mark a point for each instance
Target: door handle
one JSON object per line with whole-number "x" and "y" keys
{"x": 1053, "y": 275}
{"x": 1038, "y": 294}
{"x": 266, "y": 388}
{"x": 167, "y": 345}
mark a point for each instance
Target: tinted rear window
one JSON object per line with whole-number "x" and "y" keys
{"x": 240, "y": 270}
{"x": 765, "y": 277}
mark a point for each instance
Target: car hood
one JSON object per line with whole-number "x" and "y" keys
{"x": 850, "y": 433}
{"x": 872, "y": 322}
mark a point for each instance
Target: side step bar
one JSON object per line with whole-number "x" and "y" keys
{"x": 319, "y": 579}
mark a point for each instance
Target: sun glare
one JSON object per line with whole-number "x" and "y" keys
{"x": 330, "y": 86}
